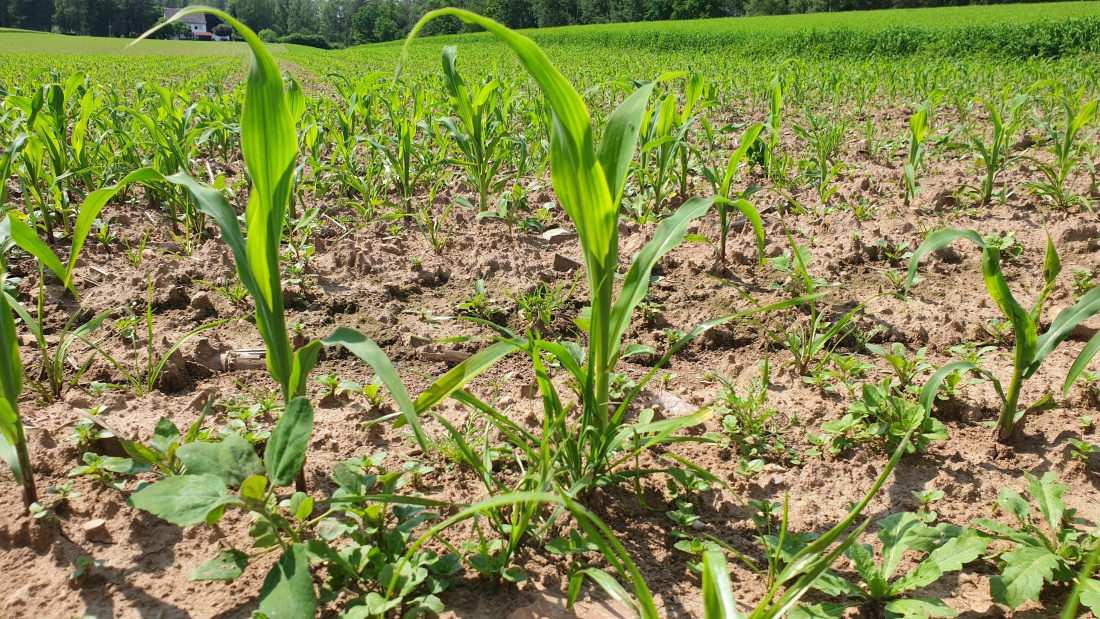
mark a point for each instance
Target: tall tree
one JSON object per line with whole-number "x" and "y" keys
{"x": 68, "y": 16}
{"x": 99, "y": 16}
{"x": 31, "y": 14}
{"x": 135, "y": 16}
{"x": 551, "y": 13}
{"x": 256, "y": 14}
{"x": 336, "y": 19}
{"x": 302, "y": 17}
{"x": 515, "y": 13}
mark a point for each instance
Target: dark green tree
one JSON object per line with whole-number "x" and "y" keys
{"x": 551, "y": 13}
{"x": 135, "y": 16}
{"x": 31, "y": 14}
{"x": 515, "y": 13}
{"x": 375, "y": 22}
{"x": 68, "y": 16}
{"x": 99, "y": 17}
{"x": 256, "y": 14}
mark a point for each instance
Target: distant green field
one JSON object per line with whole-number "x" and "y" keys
{"x": 24, "y": 42}
{"x": 1020, "y": 30}
{"x": 942, "y": 17}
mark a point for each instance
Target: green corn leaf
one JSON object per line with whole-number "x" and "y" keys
{"x": 304, "y": 360}
{"x": 928, "y": 393}
{"x": 269, "y": 143}
{"x": 27, "y": 239}
{"x": 1081, "y": 363}
{"x": 11, "y": 431}
{"x": 669, "y": 234}
{"x": 938, "y": 240}
{"x": 286, "y": 449}
{"x": 1061, "y": 328}
{"x": 579, "y": 181}
{"x": 463, "y": 373}
{"x": 183, "y": 500}
{"x": 288, "y": 592}
{"x": 812, "y": 565}
{"x": 362, "y": 347}
{"x": 11, "y": 374}
{"x": 747, "y": 140}
{"x": 718, "y": 599}
{"x": 232, "y": 459}
{"x": 1052, "y": 266}
{"x": 611, "y": 587}
{"x": 620, "y": 139}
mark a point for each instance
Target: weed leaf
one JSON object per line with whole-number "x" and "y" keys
{"x": 286, "y": 449}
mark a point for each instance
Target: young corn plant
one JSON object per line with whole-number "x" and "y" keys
{"x": 584, "y": 447}
{"x": 765, "y": 151}
{"x": 724, "y": 189}
{"x": 995, "y": 153}
{"x": 825, "y": 136}
{"x": 479, "y": 131}
{"x": 920, "y": 128}
{"x": 1032, "y": 347}
{"x": 1067, "y": 145}
{"x": 269, "y": 143}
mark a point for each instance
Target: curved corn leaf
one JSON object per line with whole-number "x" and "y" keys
{"x": 747, "y": 140}
{"x": 362, "y": 347}
{"x": 938, "y": 240}
{"x": 269, "y": 144}
{"x": 718, "y": 600}
{"x": 931, "y": 388}
{"x": 669, "y": 234}
{"x": 1081, "y": 363}
{"x": 1061, "y": 328}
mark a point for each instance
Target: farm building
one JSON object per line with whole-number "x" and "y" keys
{"x": 201, "y": 26}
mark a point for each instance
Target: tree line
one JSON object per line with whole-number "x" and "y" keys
{"x": 352, "y": 22}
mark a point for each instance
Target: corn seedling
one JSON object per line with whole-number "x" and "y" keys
{"x": 1032, "y": 348}
{"x": 993, "y": 153}
{"x": 479, "y": 132}
{"x": 920, "y": 128}
{"x": 1066, "y": 146}
{"x": 13, "y": 436}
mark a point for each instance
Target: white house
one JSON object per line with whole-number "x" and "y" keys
{"x": 201, "y": 25}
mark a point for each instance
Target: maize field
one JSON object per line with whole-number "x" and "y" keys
{"x": 743, "y": 318}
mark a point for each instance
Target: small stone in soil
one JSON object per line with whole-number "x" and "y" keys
{"x": 96, "y": 531}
